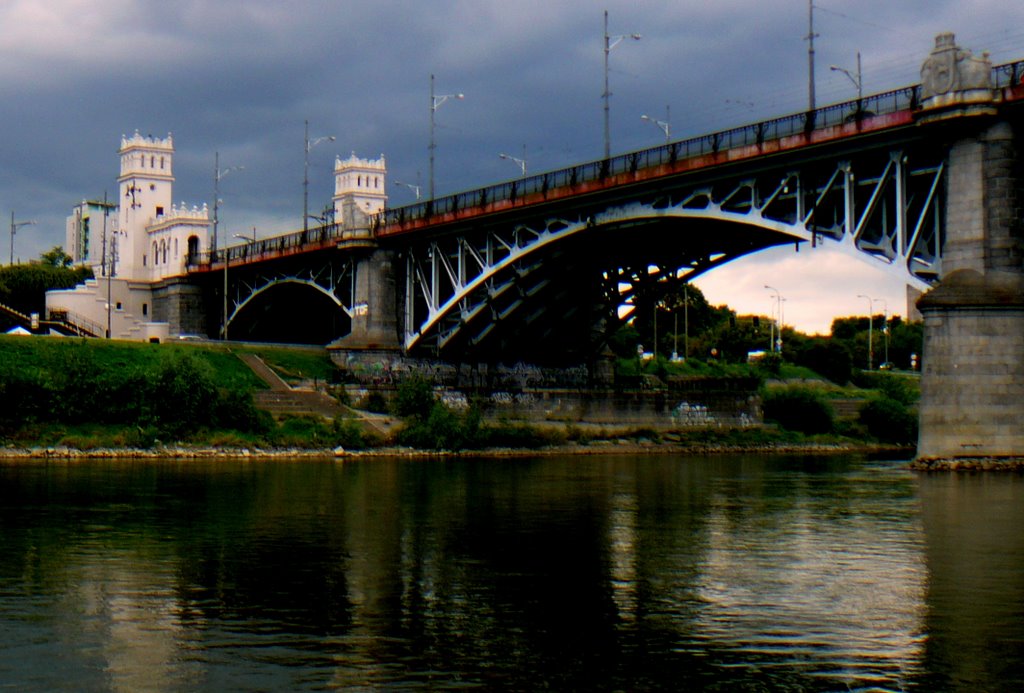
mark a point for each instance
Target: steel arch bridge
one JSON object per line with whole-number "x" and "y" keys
{"x": 530, "y": 279}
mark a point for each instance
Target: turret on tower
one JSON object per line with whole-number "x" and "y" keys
{"x": 359, "y": 190}
{"x": 145, "y": 189}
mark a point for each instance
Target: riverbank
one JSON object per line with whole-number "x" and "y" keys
{"x": 604, "y": 447}
{"x": 969, "y": 464}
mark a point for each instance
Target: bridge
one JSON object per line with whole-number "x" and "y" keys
{"x": 923, "y": 180}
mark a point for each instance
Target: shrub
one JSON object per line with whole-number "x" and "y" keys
{"x": 348, "y": 433}
{"x": 799, "y": 409}
{"x": 827, "y": 357}
{"x": 375, "y": 402}
{"x": 236, "y": 409}
{"x": 889, "y": 420}
{"x": 414, "y": 399}
{"x": 187, "y": 393}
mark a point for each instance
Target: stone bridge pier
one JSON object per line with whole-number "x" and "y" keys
{"x": 972, "y": 382}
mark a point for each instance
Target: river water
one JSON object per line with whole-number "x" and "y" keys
{"x": 738, "y": 573}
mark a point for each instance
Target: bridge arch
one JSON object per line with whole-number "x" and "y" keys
{"x": 286, "y": 294}
{"x": 882, "y": 209}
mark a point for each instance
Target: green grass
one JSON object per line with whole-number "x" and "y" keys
{"x": 53, "y": 355}
{"x": 294, "y": 364}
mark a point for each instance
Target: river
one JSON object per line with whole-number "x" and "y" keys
{"x": 659, "y": 572}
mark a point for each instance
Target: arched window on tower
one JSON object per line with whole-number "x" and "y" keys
{"x": 156, "y": 256}
{"x": 193, "y": 250}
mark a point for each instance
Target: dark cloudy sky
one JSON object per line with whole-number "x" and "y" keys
{"x": 239, "y": 77}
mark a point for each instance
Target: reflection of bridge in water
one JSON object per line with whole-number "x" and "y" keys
{"x": 924, "y": 180}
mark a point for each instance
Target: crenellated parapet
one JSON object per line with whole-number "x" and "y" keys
{"x": 147, "y": 141}
{"x": 183, "y": 212}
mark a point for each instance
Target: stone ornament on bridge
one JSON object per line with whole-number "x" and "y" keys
{"x": 954, "y": 82}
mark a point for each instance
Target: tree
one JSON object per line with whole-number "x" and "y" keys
{"x": 56, "y": 257}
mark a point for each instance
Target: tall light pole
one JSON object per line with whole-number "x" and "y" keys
{"x": 664, "y": 125}
{"x": 15, "y": 225}
{"x": 305, "y": 175}
{"x": 871, "y": 341}
{"x": 810, "y": 54}
{"x": 520, "y": 162}
{"x": 776, "y": 341}
{"x": 857, "y": 82}
{"x": 218, "y": 173}
{"x": 436, "y": 101}
{"x": 609, "y": 43}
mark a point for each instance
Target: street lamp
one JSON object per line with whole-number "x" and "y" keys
{"x": 15, "y": 225}
{"x": 609, "y": 43}
{"x": 662, "y": 124}
{"x": 871, "y": 342}
{"x": 520, "y": 162}
{"x": 305, "y": 177}
{"x": 436, "y": 101}
{"x": 776, "y": 341}
{"x": 856, "y": 80}
{"x": 414, "y": 188}
{"x": 218, "y": 173}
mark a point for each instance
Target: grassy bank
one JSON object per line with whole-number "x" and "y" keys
{"x": 108, "y": 395}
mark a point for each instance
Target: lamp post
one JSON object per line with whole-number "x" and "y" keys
{"x": 857, "y": 82}
{"x": 520, "y": 162}
{"x": 810, "y": 55}
{"x": 415, "y": 188}
{"x": 871, "y": 341}
{"x": 609, "y": 43}
{"x": 436, "y": 101}
{"x": 305, "y": 176}
{"x": 664, "y": 125}
{"x": 776, "y": 342}
{"x": 15, "y": 225}
{"x": 218, "y": 173}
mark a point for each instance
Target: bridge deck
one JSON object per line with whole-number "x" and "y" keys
{"x": 878, "y": 113}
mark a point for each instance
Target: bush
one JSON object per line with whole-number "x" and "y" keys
{"x": 236, "y": 409}
{"x": 348, "y": 433}
{"x": 799, "y": 409}
{"x": 414, "y": 399}
{"x": 889, "y": 420}
{"x": 828, "y": 358}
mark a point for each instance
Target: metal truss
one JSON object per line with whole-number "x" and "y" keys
{"x": 885, "y": 208}
{"x": 333, "y": 279}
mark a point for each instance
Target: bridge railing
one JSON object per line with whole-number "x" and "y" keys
{"x": 275, "y": 245}
{"x": 746, "y": 135}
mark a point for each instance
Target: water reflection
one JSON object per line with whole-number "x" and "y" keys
{"x": 599, "y": 573}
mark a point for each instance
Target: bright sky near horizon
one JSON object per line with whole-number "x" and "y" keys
{"x": 239, "y": 77}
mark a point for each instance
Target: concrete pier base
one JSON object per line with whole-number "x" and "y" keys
{"x": 972, "y": 381}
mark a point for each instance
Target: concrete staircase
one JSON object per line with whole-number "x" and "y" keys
{"x": 281, "y": 400}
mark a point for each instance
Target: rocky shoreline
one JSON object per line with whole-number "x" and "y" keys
{"x": 969, "y": 464}
{"x": 612, "y": 447}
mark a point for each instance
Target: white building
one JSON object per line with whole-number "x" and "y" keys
{"x": 359, "y": 189}
{"x": 139, "y": 243}
{"x": 142, "y": 239}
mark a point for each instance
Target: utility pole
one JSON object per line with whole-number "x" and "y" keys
{"x": 810, "y": 55}
{"x": 609, "y": 43}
